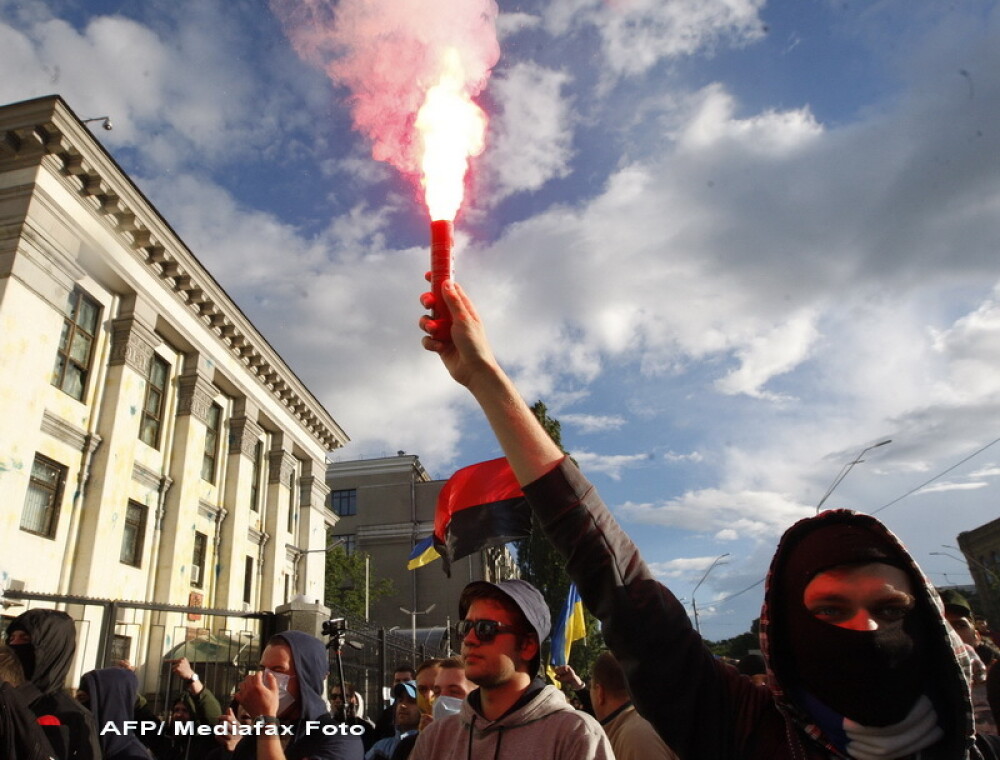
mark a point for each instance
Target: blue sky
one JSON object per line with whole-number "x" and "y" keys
{"x": 730, "y": 244}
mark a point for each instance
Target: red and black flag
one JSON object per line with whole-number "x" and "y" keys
{"x": 480, "y": 506}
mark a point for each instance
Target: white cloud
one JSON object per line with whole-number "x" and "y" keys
{"x": 592, "y": 423}
{"x": 693, "y": 456}
{"x": 945, "y": 486}
{"x": 766, "y": 356}
{"x": 638, "y": 34}
{"x": 683, "y": 567}
{"x": 608, "y": 464}
{"x": 181, "y": 90}
{"x": 533, "y": 133}
{"x": 748, "y": 514}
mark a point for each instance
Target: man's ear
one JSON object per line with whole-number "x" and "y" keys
{"x": 529, "y": 647}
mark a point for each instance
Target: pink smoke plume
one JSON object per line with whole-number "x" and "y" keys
{"x": 388, "y": 53}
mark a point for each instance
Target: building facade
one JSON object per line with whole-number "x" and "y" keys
{"x": 154, "y": 446}
{"x": 385, "y": 506}
{"x": 981, "y": 547}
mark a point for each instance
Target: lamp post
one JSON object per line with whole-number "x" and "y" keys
{"x": 990, "y": 575}
{"x": 413, "y": 625}
{"x": 694, "y": 604}
{"x": 299, "y": 553}
{"x": 846, "y": 469}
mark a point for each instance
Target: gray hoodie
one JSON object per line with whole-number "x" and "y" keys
{"x": 547, "y": 726}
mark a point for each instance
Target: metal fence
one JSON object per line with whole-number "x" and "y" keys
{"x": 370, "y": 654}
{"x": 222, "y": 645}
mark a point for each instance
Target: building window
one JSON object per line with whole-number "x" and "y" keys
{"x": 211, "y": 455}
{"x": 156, "y": 395}
{"x": 198, "y": 559}
{"x": 76, "y": 344}
{"x": 134, "y": 534}
{"x": 348, "y": 542}
{"x": 258, "y": 461}
{"x": 248, "y": 581}
{"x": 121, "y": 648}
{"x": 344, "y": 503}
{"x": 292, "y": 503}
{"x": 41, "y": 503}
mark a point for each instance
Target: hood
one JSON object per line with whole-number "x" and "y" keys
{"x": 549, "y": 700}
{"x": 945, "y": 655}
{"x": 112, "y": 700}
{"x": 53, "y": 639}
{"x": 311, "y": 668}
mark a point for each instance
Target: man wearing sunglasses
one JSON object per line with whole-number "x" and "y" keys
{"x": 513, "y": 714}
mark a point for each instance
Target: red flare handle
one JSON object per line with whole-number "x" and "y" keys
{"x": 441, "y": 243}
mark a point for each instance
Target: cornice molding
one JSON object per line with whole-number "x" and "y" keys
{"x": 46, "y": 131}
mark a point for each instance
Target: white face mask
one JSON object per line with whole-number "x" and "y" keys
{"x": 285, "y": 700}
{"x": 445, "y": 706}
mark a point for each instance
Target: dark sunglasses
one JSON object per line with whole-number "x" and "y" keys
{"x": 486, "y": 630}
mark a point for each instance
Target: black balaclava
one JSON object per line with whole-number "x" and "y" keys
{"x": 47, "y": 659}
{"x": 871, "y": 677}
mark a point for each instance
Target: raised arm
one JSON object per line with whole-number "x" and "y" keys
{"x": 470, "y": 361}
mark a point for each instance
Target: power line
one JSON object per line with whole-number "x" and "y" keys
{"x": 912, "y": 491}
{"x": 725, "y": 599}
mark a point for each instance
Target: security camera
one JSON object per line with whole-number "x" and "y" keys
{"x": 108, "y": 125}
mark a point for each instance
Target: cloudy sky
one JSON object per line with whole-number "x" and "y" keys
{"x": 730, "y": 243}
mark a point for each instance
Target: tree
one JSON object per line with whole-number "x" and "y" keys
{"x": 740, "y": 646}
{"x": 542, "y": 566}
{"x": 345, "y": 583}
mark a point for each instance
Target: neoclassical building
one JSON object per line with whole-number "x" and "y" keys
{"x": 153, "y": 445}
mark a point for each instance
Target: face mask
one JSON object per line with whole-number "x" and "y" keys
{"x": 445, "y": 706}
{"x": 285, "y": 700}
{"x": 26, "y": 654}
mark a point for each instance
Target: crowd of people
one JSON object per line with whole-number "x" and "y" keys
{"x": 860, "y": 657}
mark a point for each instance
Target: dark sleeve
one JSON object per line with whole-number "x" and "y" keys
{"x": 207, "y": 707}
{"x": 704, "y": 712}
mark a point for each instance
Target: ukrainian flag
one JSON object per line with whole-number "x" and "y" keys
{"x": 423, "y": 553}
{"x": 569, "y": 628}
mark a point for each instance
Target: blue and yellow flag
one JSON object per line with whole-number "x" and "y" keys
{"x": 569, "y": 628}
{"x": 423, "y": 553}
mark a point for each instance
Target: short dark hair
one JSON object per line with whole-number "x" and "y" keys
{"x": 608, "y": 674}
{"x": 452, "y": 663}
{"x": 404, "y": 667}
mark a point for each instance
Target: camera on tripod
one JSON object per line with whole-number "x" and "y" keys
{"x": 334, "y": 627}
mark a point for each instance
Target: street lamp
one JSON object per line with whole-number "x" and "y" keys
{"x": 846, "y": 469}
{"x": 694, "y": 604}
{"x": 991, "y": 576}
{"x": 413, "y": 624}
{"x": 299, "y": 553}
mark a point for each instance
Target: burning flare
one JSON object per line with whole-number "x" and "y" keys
{"x": 452, "y": 129}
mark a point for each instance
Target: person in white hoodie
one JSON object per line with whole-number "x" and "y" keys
{"x": 513, "y": 714}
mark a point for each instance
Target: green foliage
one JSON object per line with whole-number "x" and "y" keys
{"x": 542, "y": 566}
{"x": 345, "y": 583}
{"x": 738, "y": 646}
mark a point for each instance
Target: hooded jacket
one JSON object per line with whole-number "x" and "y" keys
{"x": 311, "y": 667}
{"x": 711, "y": 711}
{"x": 112, "y": 700}
{"x": 20, "y": 736}
{"x": 546, "y": 727}
{"x": 68, "y": 725}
